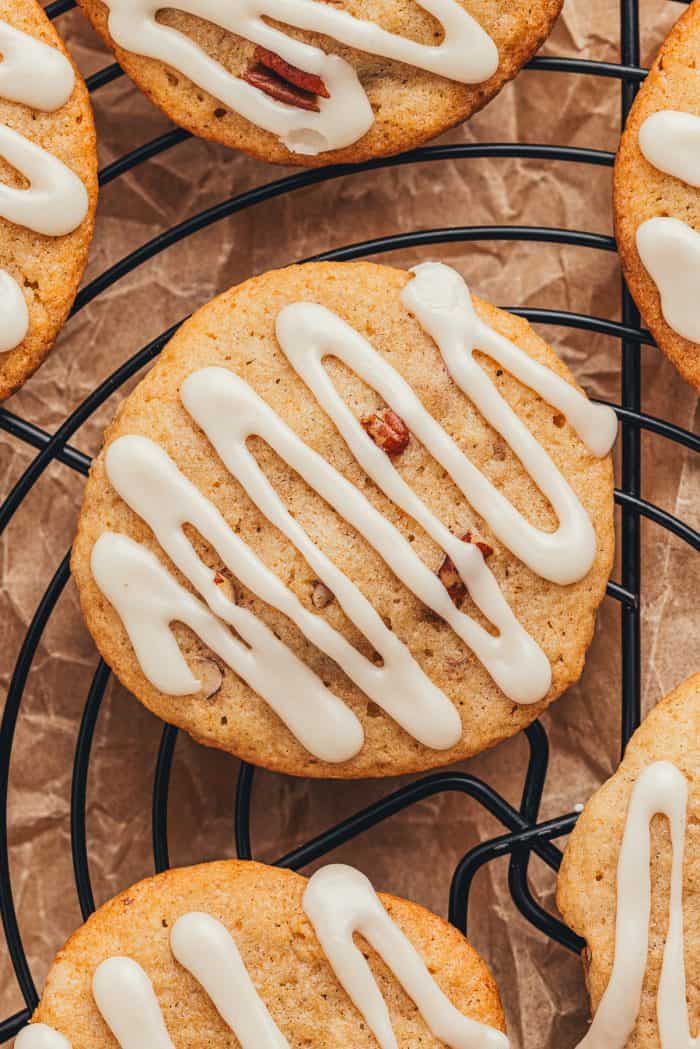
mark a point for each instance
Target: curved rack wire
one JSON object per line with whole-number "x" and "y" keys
{"x": 523, "y": 833}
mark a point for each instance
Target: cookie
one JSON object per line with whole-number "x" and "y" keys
{"x": 401, "y": 592}
{"x": 657, "y": 205}
{"x": 294, "y": 82}
{"x": 654, "y": 793}
{"x": 48, "y": 188}
{"x": 188, "y": 957}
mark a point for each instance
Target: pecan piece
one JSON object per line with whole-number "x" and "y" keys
{"x": 285, "y": 82}
{"x": 321, "y": 596}
{"x": 211, "y": 677}
{"x": 299, "y": 77}
{"x": 278, "y": 89}
{"x": 450, "y": 577}
{"x": 388, "y": 431}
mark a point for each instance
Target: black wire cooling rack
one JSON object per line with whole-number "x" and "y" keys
{"x": 523, "y": 833}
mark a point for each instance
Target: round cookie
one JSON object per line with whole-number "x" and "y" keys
{"x": 587, "y": 886}
{"x": 263, "y": 910}
{"x": 44, "y": 270}
{"x": 236, "y": 332}
{"x": 410, "y": 105}
{"x": 644, "y": 192}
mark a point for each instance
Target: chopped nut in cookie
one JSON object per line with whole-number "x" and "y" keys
{"x": 388, "y": 431}
{"x": 224, "y": 582}
{"x": 321, "y": 596}
{"x": 285, "y": 82}
{"x": 211, "y": 676}
{"x": 450, "y": 577}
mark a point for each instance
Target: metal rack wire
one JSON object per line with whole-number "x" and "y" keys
{"x": 524, "y": 834}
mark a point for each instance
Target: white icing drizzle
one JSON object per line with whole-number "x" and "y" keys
{"x": 206, "y": 948}
{"x": 148, "y": 600}
{"x": 670, "y": 252}
{"x": 339, "y": 902}
{"x": 670, "y": 140}
{"x": 14, "y": 315}
{"x": 150, "y": 482}
{"x": 229, "y": 412}
{"x": 440, "y": 301}
{"x": 307, "y": 333}
{"x": 125, "y": 997}
{"x": 660, "y": 789}
{"x": 467, "y": 54}
{"x": 56, "y": 201}
{"x": 32, "y": 72}
{"x": 40, "y": 1036}
{"x": 669, "y": 248}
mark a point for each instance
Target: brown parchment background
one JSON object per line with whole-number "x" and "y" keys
{"x": 415, "y": 853}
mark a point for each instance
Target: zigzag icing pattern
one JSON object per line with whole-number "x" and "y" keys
{"x": 148, "y": 599}
{"x": 339, "y": 901}
{"x": 467, "y": 54}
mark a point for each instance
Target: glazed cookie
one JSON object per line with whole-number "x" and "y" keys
{"x": 629, "y": 885}
{"x": 301, "y": 82}
{"x": 311, "y": 456}
{"x": 657, "y": 205}
{"x": 186, "y": 958}
{"x": 48, "y": 188}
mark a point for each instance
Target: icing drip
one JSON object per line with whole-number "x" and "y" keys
{"x": 125, "y": 997}
{"x": 148, "y": 600}
{"x": 467, "y": 54}
{"x": 661, "y": 789}
{"x": 671, "y": 142}
{"x": 56, "y": 201}
{"x": 40, "y": 1036}
{"x": 32, "y": 72}
{"x": 670, "y": 252}
{"x": 339, "y": 902}
{"x": 206, "y": 948}
{"x": 14, "y": 315}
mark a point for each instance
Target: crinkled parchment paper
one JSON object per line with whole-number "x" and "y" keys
{"x": 413, "y": 854}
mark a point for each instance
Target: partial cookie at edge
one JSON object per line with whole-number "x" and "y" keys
{"x": 261, "y": 906}
{"x": 587, "y": 885}
{"x": 412, "y": 106}
{"x": 642, "y": 192}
